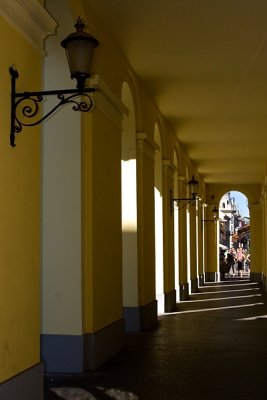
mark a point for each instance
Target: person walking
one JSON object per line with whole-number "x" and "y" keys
{"x": 240, "y": 256}
{"x": 231, "y": 261}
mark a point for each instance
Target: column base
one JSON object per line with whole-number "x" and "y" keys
{"x": 184, "y": 292}
{"x": 141, "y": 318}
{"x": 194, "y": 285}
{"x": 78, "y": 353}
{"x": 263, "y": 280}
{"x": 170, "y": 301}
{"x": 28, "y": 385}
{"x": 100, "y": 346}
{"x": 211, "y": 277}
{"x": 256, "y": 277}
{"x": 201, "y": 280}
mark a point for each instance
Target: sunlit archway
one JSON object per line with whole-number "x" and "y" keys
{"x": 234, "y": 235}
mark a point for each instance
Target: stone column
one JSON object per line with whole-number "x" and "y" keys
{"x": 193, "y": 249}
{"x": 257, "y": 225}
{"x": 183, "y": 276}
{"x": 200, "y": 266}
{"x": 211, "y": 233}
{"x": 264, "y": 236}
{"x": 168, "y": 239}
{"x": 82, "y": 321}
{"x": 146, "y": 231}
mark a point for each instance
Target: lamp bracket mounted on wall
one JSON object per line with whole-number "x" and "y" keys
{"x": 182, "y": 202}
{"x": 25, "y": 106}
{"x": 215, "y": 213}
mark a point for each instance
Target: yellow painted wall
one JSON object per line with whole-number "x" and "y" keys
{"x": 110, "y": 152}
{"x": 145, "y": 222}
{"x": 102, "y": 240}
{"x": 193, "y": 243}
{"x": 256, "y": 235}
{"x": 145, "y": 122}
{"x": 211, "y": 245}
{"x": 19, "y": 215}
{"x": 61, "y": 191}
{"x": 168, "y": 236}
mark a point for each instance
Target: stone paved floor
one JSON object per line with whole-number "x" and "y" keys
{"x": 213, "y": 348}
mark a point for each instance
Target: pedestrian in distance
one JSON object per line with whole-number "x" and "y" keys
{"x": 231, "y": 261}
{"x": 240, "y": 256}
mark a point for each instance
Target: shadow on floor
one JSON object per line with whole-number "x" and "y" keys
{"x": 213, "y": 347}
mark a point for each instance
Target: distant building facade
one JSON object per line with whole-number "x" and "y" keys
{"x": 234, "y": 228}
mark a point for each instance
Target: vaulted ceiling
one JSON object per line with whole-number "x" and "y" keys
{"x": 205, "y": 64}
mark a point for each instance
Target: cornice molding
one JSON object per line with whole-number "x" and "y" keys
{"x": 30, "y": 18}
{"x": 145, "y": 145}
{"x": 107, "y": 102}
{"x": 168, "y": 168}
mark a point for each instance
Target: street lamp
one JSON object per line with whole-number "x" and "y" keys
{"x": 182, "y": 202}
{"x": 79, "y": 47}
{"x": 215, "y": 213}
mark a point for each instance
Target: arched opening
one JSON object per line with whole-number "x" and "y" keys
{"x": 234, "y": 235}
{"x": 129, "y": 210}
{"x": 158, "y": 193}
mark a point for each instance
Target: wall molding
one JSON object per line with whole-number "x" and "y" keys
{"x": 146, "y": 145}
{"x": 107, "y": 102}
{"x": 30, "y": 18}
{"x": 78, "y": 353}
{"x": 27, "y": 385}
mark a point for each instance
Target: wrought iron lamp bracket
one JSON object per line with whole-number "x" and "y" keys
{"x": 26, "y": 105}
{"x": 180, "y": 203}
{"x": 215, "y": 218}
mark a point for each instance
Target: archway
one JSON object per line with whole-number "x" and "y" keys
{"x": 234, "y": 235}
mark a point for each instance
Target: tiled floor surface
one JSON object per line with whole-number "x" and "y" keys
{"x": 213, "y": 348}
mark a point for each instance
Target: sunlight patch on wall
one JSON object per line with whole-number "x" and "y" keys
{"x": 129, "y": 208}
{"x": 158, "y": 241}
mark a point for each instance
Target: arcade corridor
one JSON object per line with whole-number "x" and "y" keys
{"x": 213, "y": 347}
{"x": 108, "y": 230}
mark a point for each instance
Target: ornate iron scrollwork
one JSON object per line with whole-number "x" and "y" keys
{"x": 26, "y": 106}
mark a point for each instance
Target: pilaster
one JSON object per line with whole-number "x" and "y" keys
{"x": 193, "y": 249}
{"x": 212, "y": 257}
{"x": 168, "y": 238}
{"x": 264, "y": 229}
{"x": 146, "y": 148}
{"x": 200, "y": 265}
{"x": 183, "y": 276}
{"x": 82, "y": 319}
{"x": 258, "y": 241}
{"x": 28, "y": 385}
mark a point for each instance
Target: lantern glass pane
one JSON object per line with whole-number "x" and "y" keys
{"x": 80, "y": 56}
{"x": 193, "y": 188}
